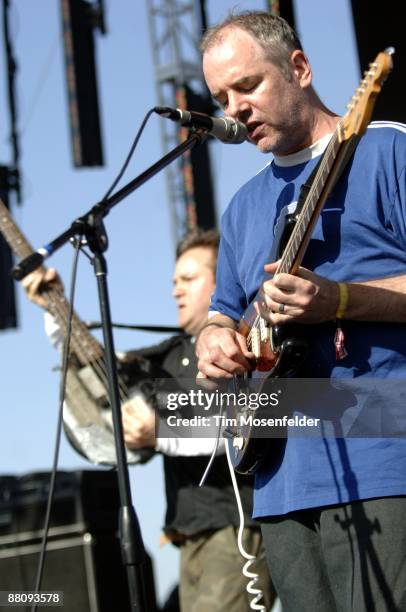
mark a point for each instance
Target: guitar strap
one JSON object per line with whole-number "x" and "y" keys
{"x": 305, "y": 188}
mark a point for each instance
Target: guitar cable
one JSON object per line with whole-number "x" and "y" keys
{"x": 213, "y": 452}
{"x": 253, "y": 577}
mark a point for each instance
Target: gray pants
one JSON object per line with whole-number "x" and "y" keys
{"x": 346, "y": 558}
{"x": 211, "y": 572}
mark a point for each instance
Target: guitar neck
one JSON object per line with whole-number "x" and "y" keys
{"x": 83, "y": 345}
{"x": 346, "y": 135}
{"x": 330, "y": 167}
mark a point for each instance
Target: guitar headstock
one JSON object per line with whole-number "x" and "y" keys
{"x": 362, "y": 103}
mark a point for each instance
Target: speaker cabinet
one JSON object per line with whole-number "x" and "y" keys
{"x": 86, "y": 567}
{"x": 83, "y": 553}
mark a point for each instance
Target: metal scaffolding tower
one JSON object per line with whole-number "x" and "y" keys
{"x": 175, "y": 28}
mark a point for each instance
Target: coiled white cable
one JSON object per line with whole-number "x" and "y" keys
{"x": 251, "y": 589}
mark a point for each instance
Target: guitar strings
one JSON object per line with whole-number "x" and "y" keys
{"x": 59, "y": 307}
{"x": 314, "y": 187}
{"x": 365, "y": 82}
{"x": 85, "y": 352}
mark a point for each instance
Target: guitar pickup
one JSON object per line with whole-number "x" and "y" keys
{"x": 93, "y": 384}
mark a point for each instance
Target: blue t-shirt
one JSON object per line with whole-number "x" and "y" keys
{"x": 360, "y": 235}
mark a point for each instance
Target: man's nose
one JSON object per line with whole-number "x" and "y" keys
{"x": 238, "y": 107}
{"x": 177, "y": 290}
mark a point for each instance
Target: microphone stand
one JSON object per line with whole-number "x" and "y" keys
{"x": 92, "y": 227}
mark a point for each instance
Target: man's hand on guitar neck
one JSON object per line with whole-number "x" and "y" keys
{"x": 221, "y": 350}
{"x": 39, "y": 281}
{"x": 309, "y": 298}
{"x": 303, "y": 298}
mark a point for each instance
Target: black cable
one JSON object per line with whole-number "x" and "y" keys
{"x": 130, "y": 154}
{"x": 62, "y": 387}
{"x": 149, "y": 328}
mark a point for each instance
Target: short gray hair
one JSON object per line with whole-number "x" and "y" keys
{"x": 272, "y": 33}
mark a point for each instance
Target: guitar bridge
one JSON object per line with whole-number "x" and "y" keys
{"x": 260, "y": 336}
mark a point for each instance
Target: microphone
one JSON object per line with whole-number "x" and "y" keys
{"x": 226, "y": 129}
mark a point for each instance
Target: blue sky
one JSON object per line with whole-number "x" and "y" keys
{"x": 140, "y": 255}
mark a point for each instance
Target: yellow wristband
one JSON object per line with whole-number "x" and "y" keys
{"x": 343, "y": 303}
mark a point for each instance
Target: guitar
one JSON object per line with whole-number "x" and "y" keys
{"x": 277, "y": 352}
{"x": 87, "y": 414}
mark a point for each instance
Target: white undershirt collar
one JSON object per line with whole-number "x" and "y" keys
{"x": 304, "y": 155}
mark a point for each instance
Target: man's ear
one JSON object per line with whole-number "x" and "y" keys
{"x": 301, "y": 68}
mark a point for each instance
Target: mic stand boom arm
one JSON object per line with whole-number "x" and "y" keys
{"x": 91, "y": 225}
{"x": 101, "y": 209}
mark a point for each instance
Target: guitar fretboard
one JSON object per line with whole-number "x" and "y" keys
{"x": 83, "y": 345}
{"x": 313, "y": 204}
